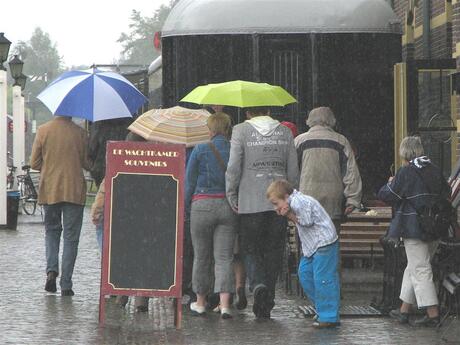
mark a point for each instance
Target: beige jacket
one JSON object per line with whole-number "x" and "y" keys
{"x": 97, "y": 209}
{"x": 59, "y": 153}
{"x": 329, "y": 172}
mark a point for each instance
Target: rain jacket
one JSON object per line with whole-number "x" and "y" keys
{"x": 329, "y": 172}
{"x": 408, "y": 184}
{"x": 204, "y": 175}
{"x": 262, "y": 150}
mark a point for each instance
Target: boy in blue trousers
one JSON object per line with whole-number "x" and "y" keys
{"x": 320, "y": 247}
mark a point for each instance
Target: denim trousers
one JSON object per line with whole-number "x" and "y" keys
{"x": 100, "y": 234}
{"x": 263, "y": 237}
{"x": 213, "y": 230}
{"x": 61, "y": 217}
{"x": 320, "y": 281}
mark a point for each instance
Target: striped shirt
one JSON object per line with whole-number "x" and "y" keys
{"x": 314, "y": 225}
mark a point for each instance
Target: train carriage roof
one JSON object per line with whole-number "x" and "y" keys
{"x": 208, "y": 17}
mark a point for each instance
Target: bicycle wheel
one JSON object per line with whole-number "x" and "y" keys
{"x": 9, "y": 182}
{"x": 29, "y": 207}
{"x": 29, "y": 201}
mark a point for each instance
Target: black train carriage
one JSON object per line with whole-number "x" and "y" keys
{"x": 338, "y": 53}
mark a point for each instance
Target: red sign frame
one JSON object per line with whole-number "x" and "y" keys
{"x": 143, "y": 158}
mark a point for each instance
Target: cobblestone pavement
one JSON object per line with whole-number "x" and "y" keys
{"x": 28, "y": 315}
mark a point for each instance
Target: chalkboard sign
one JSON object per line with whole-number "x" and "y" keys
{"x": 143, "y": 214}
{"x": 143, "y": 236}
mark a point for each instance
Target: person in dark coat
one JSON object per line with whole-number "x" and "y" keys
{"x": 416, "y": 185}
{"x": 100, "y": 133}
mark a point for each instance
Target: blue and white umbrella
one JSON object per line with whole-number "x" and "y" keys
{"x": 93, "y": 95}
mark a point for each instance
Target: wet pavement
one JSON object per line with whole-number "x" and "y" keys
{"x": 28, "y": 315}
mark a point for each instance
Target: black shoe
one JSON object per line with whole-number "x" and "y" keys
{"x": 241, "y": 300}
{"x": 262, "y": 306}
{"x": 213, "y": 301}
{"x": 397, "y": 315}
{"x": 66, "y": 293}
{"x": 427, "y": 321}
{"x": 50, "y": 284}
{"x": 142, "y": 308}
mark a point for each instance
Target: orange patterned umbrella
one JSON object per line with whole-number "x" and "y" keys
{"x": 173, "y": 125}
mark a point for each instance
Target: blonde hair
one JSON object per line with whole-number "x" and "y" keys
{"x": 322, "y": 116}
{"x": 279, "y": 189}
{"x": 220, "y": 123}
{"x": 410, "y": 148}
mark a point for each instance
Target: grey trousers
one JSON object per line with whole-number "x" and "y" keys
{"x": 213, "y": 229}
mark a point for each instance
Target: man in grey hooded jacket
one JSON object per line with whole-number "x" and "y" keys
{"x": 262, "y": 150}
{"x": 329, "y": 172}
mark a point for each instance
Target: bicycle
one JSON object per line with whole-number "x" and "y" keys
{"x": 10, "y": 177}
{"x": 28, "y": 193}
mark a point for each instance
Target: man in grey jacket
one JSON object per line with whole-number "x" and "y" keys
{"x": 262, "y": 150}
{"x": 329, "y": 172}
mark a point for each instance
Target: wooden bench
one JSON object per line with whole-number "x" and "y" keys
{"x": 360, "y": 235}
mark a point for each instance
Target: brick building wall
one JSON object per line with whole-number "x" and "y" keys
{"x": 444, "y": 36}
{"x": 441, "y": 28}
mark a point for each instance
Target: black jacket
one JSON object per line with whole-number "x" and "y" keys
{"x": 100, "y": 133}
{"x": 421, "y": 186}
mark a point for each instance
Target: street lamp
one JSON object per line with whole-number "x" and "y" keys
{"x": 4, "y": 49}
{"x": 16, "y": 65}
{"x": 21, "y": 81}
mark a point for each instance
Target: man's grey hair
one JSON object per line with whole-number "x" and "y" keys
{"x": 410, "y": 148}
{"x": 322, "y": 116}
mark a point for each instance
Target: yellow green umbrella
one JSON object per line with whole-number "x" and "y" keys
{"x": 241, "y": 94}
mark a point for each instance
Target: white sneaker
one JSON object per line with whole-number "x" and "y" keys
{"x": 225, "y": 313}
{"x": 196, "y": 309}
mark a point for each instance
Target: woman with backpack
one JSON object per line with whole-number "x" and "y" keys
{"x": 417, "y": 186}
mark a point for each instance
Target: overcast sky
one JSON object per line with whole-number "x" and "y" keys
{"x": 85, "y": 31}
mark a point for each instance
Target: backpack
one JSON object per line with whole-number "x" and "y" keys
{"x": 435, "y": 219}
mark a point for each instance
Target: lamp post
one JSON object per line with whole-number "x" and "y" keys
{"x": 21, "y": 80}
{"x": 18, "y": 114}
{"x": 4, "y": 49}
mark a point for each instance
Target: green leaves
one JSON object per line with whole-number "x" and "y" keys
{"x": 42, "y": 62}
{"x": 138, "y": 43}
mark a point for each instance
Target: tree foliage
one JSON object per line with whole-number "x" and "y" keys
{"x": 42, "y": 62}
{"x": 138, "y": 42}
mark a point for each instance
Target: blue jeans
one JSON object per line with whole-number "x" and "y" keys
{"x": 320, "y": 280}
{"x": 58, "y": 217}
{"x": 100, "y": 234}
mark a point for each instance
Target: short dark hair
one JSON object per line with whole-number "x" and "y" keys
{"x": 258, "y": 110}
